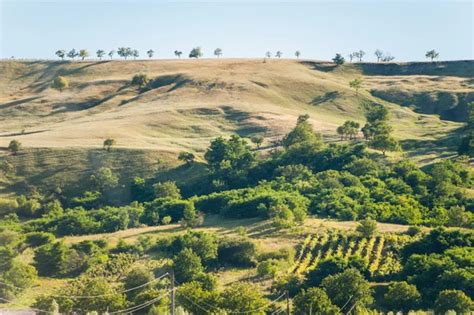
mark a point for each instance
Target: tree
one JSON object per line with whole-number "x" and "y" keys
{"x": 387, "y": 58}
{"x": 268, "y": 54}
{"x": 138, "y": 277}
{"x": 257, "y": 140}
{"x": 51, "y": 259}
{"x": 349, "y": 283}
{"x": 278, "y": 54}
{"x": 432, "y": 54}
{"x": 187, "y": 266}
{"x": 218, "y": 52}
{"x": 150, "y": 53}
{"x": 187, "y": 157}
{"x": 384, "y": 142}
{"x": 60, "y": 83}
{"x": 124, "y": 52}
{"x": 302, "y": 133}
{"x": 83, "y": 53}
{"x": 72, "y": 54}
{"x": 314, "y": 301}
{"x": 367, "y": 227}
{"x": 167, "y": 189}
{"x": 356, "y": 84}
{"x": 338, "y": 59}
{"x": 178, "y": 53}
{"x": 379, "y": 54}
{"x": 297, "y": 54}
{"x": 141, "y": 80}
{"x": 454, "y": 300}
{"x": 351, "y": 56}
{"x": 61, "y": 53}
{"x": 100, "y": 53}
{"x": 108, "y": 144}
{"x": 401, "y": 296}
{"x": 20, "y": 276}
{"x": 104, "y": 179}
{"x": 135, "y": 54}
{"x": 360, "y": 54}
{"x": 14, "y": 146}
{"x": 242, "y": 297}
{"x": 111, "y": 54}
{"x": 196, "y": 52}
{"x": 349, "y": 129}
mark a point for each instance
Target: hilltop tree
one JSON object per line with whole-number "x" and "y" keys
{"x": 61, "y": 53}
{"x": 356, "y": 84}
{"x": 14, "y": 146}
{"x": 108, "y": 144}
{"x": 268, "y": 54}
{"x": 187, "y": 157}
{"x": 278, "y": 54}
{"x": 351, "y": 56}
{"x": 111, "y": 53}
{"x": 218, "y": 52}
{"x": 178, "y": 53}
{"x": 124, "y": 52}
{"x": 359, "y": 55}
{"x": 150, "y": 53}
{"x": 100, "y": 53}
{"x": 196, "y": 52}
{"x": 83, "y": 53}
{"x": 135, "y": 54}
{"x": 432, "y": 54}
{"x": 387, "y": 58}
{"x": 72, "y": 54}
{"x": 379, "y": 54}
{"x": 297, "y": 54}
{"x": 338, "y": 59}
{"x": 60, "y": 83}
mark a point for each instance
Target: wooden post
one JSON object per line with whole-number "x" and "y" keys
{"x": 172, "y": 294}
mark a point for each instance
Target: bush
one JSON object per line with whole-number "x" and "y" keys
{"x": 237, "y": 253}
{"x": 268, "y": 268}
{"x": 314, "y": 301}
{"x": 402, "y": 296}
{"x": 35, "y": 239}
{"x": 454, "y": 300}
{"x": 141, "y": 80}
{"x": 187, "y": 266}
{"x": 60, "y": 83}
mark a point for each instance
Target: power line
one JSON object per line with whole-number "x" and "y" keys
{"x": 96, "y": 296}
{"x": 140, "y": 306}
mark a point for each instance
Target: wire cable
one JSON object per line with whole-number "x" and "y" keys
{"x": 140, "y": 306}
{"x": 261, "y": 308}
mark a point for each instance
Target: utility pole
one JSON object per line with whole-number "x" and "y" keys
{"x": 287, "y": 303}
{"x": 172, "y": 293}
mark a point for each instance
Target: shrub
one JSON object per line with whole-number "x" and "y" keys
{"x": 60, "y": 83}
{"x": 141, "y": 80}
{"x": 237, "y": 252}
{"x": 35, "y": 239}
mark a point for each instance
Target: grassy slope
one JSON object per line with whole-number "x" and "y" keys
{"x": 193, "y": 101}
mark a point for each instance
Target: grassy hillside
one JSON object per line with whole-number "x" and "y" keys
{"x": 193, "y": 101}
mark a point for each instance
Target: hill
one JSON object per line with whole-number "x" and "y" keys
{"x": 193, "y": 101}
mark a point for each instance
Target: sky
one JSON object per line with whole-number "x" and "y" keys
{"x": 405, "y": 28}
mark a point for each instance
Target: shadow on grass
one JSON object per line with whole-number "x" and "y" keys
{"x": 328, "y": 96}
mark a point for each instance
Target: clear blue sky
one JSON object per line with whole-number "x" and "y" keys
{"x": 319, "y": 29}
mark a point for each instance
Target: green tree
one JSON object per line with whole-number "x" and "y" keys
{"x": 367, "y": 227}
{"x": 61, "y": 53}
{"x": 356, "y": 84}
{"x": 187, "y": 266}
{"x": 124, "y": 52}
{"x": 432, "y": 54}
{"x": 349, "y": 283}
{"x": 178, "y": 53}
{"x": 111, "y": 53}
{"x": 72, "y": 54}
{"x": 402, "y": 296}
{"x": 257, "y": 140}
{"x": 268, "y": 54}
{"x": 187, "y": 157}
{"x": 141, "y": 80}
{"x": 196, "y": 52}
{"x": 242, "y": 297}
{"x": 218, "y": 52}
{"x": 384, "y": 142}
{"x": 60, "y": 83}
{"x": 167, "y": 189}
{"x": 108, "y": 144}
{"x": 20, "y": 276}
{"x": 338, "y": 59}
{"x": 83, "y": 53}
{"x": 379, "y": 54}
{"x": 297, "y": 54}
{"x": 314, "y": 301}
{"x": 138, "y": 277}
{"x": 135, "y": 53}
{"x": 454, "y": 300}
{"x": 51, "y": 259}
{"x": 100, "y": 53}
{"x": 359, "y": 54}
{"x": 104, "y": 179}
{"x": 150, "y": 53}
{"x": 348, "y": 129}
{"x": 14, "y": 146}
{"x": 278, "y": 54}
